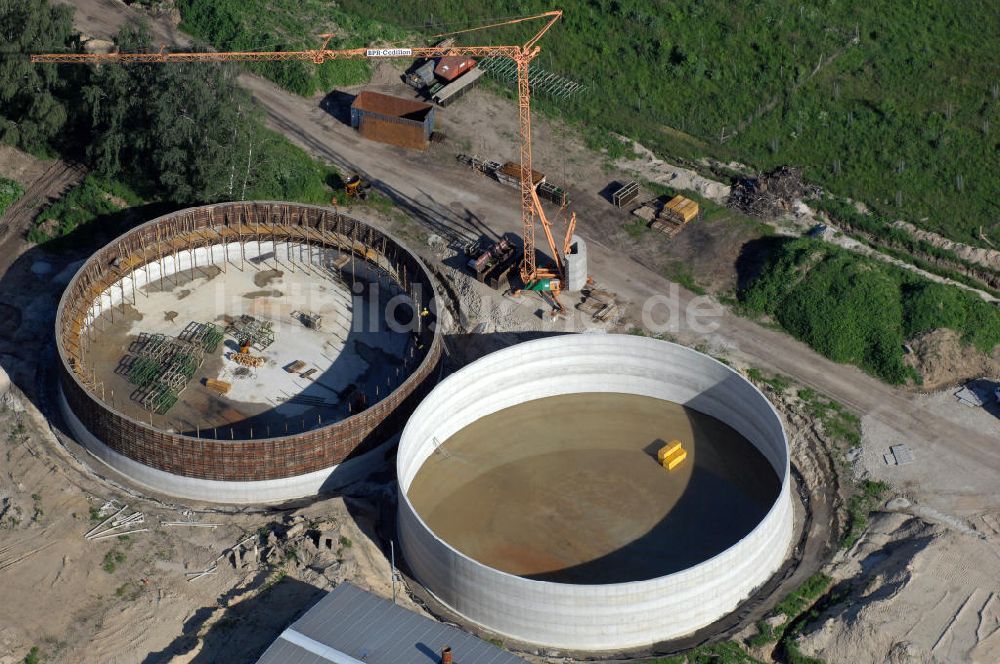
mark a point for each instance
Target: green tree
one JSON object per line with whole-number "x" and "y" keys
{"x": 33, "y": 104}
{"x": 185, "y": 130}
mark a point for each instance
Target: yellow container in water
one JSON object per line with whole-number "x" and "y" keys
{"x": 673, "y": 461}
{"x": 667, "y": 450}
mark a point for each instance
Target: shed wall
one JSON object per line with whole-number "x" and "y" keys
{"x": 395, "y": 131}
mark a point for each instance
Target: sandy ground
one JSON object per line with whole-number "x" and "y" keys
{"x": 76, "y": 608}
{"x": 988, "y": 258}
{"x": 569, "y": 489}
{"x": 917, "y": 593}
{"x": 928, "y": 469}
{"x": 19, "y": 166}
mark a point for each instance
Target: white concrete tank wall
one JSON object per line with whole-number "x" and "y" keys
{"x": 251, "y": 492}
{"x": 594, "y": 617}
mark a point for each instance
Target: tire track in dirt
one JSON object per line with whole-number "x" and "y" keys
{"x": 56, "y": 179}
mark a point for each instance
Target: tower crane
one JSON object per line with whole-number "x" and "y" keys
{"x": 521, "y": 54}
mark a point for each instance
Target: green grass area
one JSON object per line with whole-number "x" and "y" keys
{"x": 838, "y": 423}
{"x": 877, "y": 230}
{"x": 129, "y": 591}
{"x": 679, "y": 272}
{"x": 92, "y": 199}
{"x": 777, "y": 382}
{"x": 861, "y": 311}
{"x": 112, "y": 559}
{"x": 791, "y": 607}
{"x": 868, "y": 496}
{"x": 288, "y": 25}
{"x": 896, "y": 106}
{"x": 728, "y": 652}
{"x": 636, "y": 228}
{"x": 283, "y": 171}
{"x": 10, "y": 191}
{"x": 34, "y": 656}
{"x": 802, "y": 597}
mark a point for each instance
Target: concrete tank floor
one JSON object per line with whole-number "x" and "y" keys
{"x": 355, "y": 351}
{"x": 568, "y": 489}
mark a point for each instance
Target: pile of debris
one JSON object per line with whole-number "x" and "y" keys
{"x": 116, "y": 525}
{"x": 770, "y": 195}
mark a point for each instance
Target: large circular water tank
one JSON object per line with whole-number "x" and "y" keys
{"x": 249, "y": 352}
{"x": 532, "y": 500}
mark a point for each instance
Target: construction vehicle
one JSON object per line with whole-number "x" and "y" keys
{"x": 547, "y": 280}
{"x": 355, "y": 187}
{"x": 491, "y": 262}
{"x": 521, "y": 54}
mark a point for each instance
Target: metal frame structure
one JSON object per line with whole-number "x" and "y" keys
{"x": 206, "y": 335}
{"x": 521, "y": 55}
{"x": 248, "y": 331}
{"x": 160, "y": 368}
{"x": 546, "y": 82}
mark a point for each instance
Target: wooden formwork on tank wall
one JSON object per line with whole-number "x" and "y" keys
{"x": 77, "y": 326}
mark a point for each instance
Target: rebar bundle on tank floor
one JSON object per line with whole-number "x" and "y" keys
{"x": 205, "y": 334}
{"x": 247, "y": 330}
{"x": 160, "y": 369}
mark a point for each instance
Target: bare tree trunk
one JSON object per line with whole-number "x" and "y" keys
{"x": 246, "y": 174}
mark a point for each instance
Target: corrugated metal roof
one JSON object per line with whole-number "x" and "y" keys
{"x": 364, "y": 627}
{"x": 455, "y": 86}
{"x": 376, "y": 102}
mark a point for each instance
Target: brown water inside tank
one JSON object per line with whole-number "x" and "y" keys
{"x": 568, "y": 489}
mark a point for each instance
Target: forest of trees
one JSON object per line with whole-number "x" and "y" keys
{"x": 180, "y": 133}
{"x": 35, "y": 102}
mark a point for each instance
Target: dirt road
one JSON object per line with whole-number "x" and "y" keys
{"x": 16, "y": 220}
{"x": 957, "y": 464}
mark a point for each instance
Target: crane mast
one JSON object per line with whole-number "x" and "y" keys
{"x": 522, "y": 55}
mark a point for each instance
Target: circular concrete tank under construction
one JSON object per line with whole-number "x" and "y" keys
{"x": 532, "y": 500}
{"x": 246, "y": 352}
